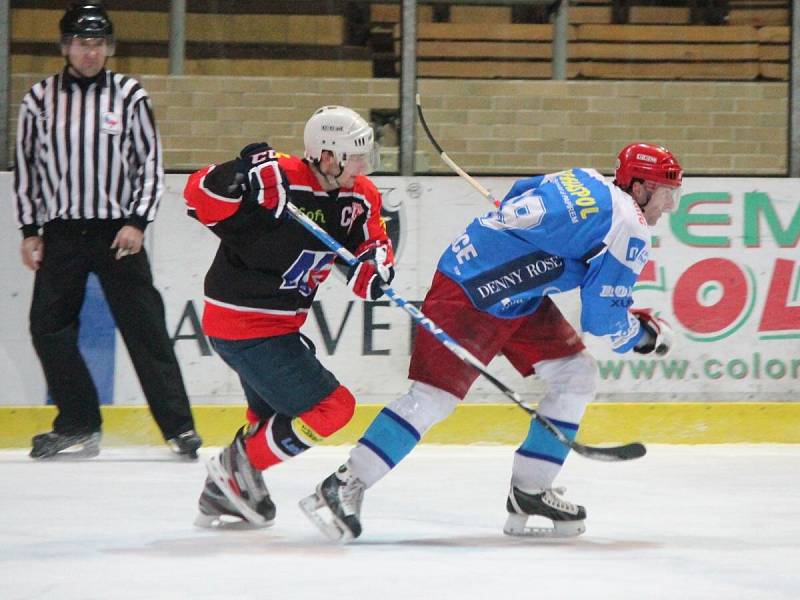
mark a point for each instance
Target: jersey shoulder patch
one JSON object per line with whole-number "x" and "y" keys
{"x": 628, "y": 239}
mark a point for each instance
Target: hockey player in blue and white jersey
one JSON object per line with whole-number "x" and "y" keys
{"x": 491, "y": 292}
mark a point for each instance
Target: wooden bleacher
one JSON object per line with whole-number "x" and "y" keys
{"x": 664, "y": 15}
{"x": 666, "y": 52}
{"x": 602, "y": 51}
{"x": 590, "y": 11}
{"x": 472, "y": 50}
{"x": 454, "y": 41}
{"x": 759, "y": 13}
{"x": 277, "y": 43}
{"x": 774, "y": 44}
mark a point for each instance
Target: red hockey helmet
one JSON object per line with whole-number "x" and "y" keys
{"x": 648, "y": 162}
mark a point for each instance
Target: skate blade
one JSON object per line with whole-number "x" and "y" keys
{"x": 516, "y": 525}
{"x": 185, "y": 456}
{"x": 191, "y": 455}
{"x": 219, "y": 476}
{"x": 316, "y": 510}
{"x": 74, "y": 452}
{"x": 227, "y": 522}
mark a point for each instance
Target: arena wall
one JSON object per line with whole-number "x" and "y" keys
{"x": 724, "y": 271}
{"x": 486, "y": 126}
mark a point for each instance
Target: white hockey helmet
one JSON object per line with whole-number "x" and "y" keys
{"x": 343, "y": 132}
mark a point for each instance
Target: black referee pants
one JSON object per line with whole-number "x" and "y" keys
{"x": 72, "y": 250}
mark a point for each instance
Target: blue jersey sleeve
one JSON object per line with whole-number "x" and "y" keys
{"x": 606, "y": 295}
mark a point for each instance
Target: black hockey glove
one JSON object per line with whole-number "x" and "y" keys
{"x": 658, "y": 335}
{"x": 262, "y": 179}
{"x": 367, "y": 276}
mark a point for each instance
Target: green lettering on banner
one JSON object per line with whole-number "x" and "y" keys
{"x": 610, "y": 369}
{"x": 716, "y": 373}
{"x": 642, "y": 368}
{"x": 775, "y": 369}
{"x": 754, "y": 367}
{"x": 674, "y": 369}
{"x": 682, "y": 219}
{"x": 759, "y": 203}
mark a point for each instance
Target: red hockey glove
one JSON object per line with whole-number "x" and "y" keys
{"x": 263, "y": 180}
{"x": 367, "y": 276}
{"x": 658, "y": 335}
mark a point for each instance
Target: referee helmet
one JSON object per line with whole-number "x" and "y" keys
{"x": 85, "y": 19}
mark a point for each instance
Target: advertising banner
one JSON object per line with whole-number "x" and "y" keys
{"x": 724, "y": 272}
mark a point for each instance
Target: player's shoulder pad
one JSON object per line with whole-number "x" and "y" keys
{"x": 297, "y": 172}
{"x": 523, "y": 185}
{"x": 364, "y": 185}
{"x": 629, "y": 236}
{"x": 594, "y": 173}
{"x": 627, "y": 213}
{"x": 288, "y": 163}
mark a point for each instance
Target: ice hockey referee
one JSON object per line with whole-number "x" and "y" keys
{"x": 88, "y": 177}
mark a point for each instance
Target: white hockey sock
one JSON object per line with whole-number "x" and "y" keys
{"x": 397, "y": 429}
{"x": 571, "y": 382}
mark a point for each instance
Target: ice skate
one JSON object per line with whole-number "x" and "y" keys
{"x": 80, "y": 445}
{"x": 567, "y": 518}
{"x": 339, "y": 497}
{"x": 240, "y": 483}
{"x": 186, "y": 444}
{"x": 217, "y": 512}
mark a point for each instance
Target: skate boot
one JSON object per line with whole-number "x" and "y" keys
{"x": 217, "y": 512}
{"x": 567, "y": 518}
{"x": 341, "y": 494}
{"x": 186, "y": 444}
{"x": 79, "y": 445}
{"x": 241, "y": 484}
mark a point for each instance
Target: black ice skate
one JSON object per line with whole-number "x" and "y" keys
{"x": 186, "y": 444}
{"x": 341, "y": 494}
{"x": 217, "y": 512}
{"x": 80, "y": 445}
{"x": 241, "y": 484}
{"x": 567, "y": 518}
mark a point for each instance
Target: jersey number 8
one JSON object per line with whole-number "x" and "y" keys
{"x": 525, "y": 211}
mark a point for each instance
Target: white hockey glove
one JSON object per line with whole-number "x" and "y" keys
{"x": 658, "y": 335}
{"x": 367, "y": 276}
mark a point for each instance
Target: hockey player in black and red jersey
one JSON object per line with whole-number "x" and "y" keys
{"x": 260, "y": 287}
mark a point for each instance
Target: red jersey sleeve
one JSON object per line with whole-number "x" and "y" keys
{"x": 207, "y": 205}
{"x": 374, "y": 233}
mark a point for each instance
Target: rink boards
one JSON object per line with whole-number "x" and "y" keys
{"x": 724, "y": 272}
{"x": 648, "y": 422}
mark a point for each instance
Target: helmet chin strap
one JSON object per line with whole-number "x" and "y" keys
{"x": 642, "y": 183}
{"x": 331, "y": 179}
{"x": 339, "y": 174}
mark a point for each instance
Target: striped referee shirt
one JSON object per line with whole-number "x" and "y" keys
{"x": 87, "y": 150}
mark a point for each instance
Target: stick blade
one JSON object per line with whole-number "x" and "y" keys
{"x": 630, "y": 451}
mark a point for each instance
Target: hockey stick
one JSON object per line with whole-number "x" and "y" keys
{"x": 450, "y": 162}
{"x": 613, "y": 453}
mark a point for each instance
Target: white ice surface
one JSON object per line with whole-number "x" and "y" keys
{"x": 684, "y": 522}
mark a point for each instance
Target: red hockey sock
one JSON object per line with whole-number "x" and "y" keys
{"x": 252, "y": 417}
{"x": 282, "y": 437}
